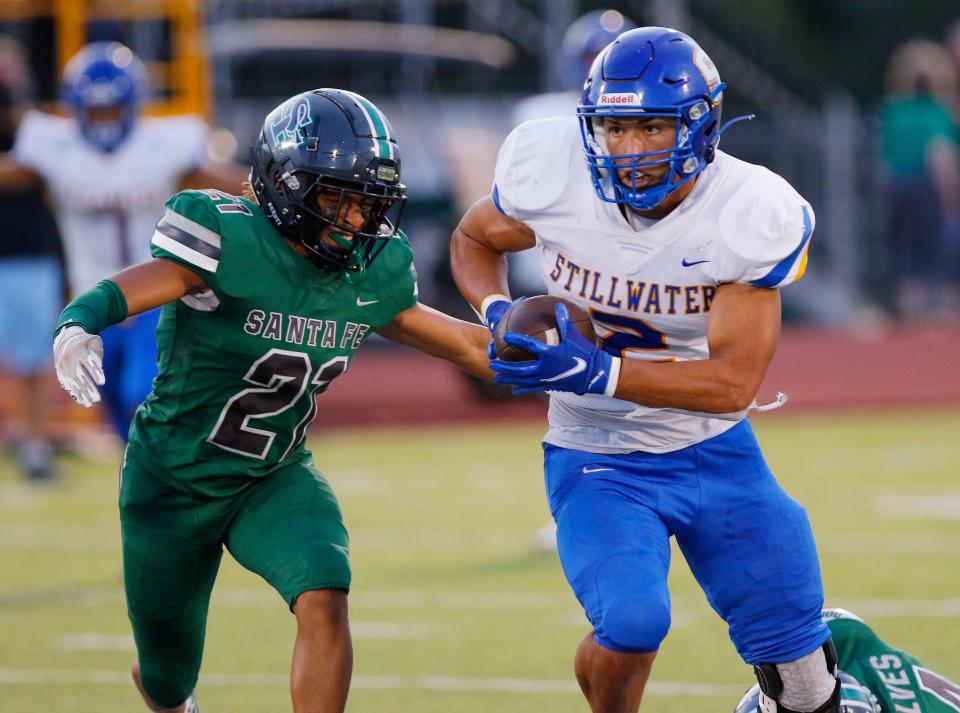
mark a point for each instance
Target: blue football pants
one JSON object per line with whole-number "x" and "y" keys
{"x": 747, "y": 542}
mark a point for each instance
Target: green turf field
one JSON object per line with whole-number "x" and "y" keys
{"x": 453, "y": 609}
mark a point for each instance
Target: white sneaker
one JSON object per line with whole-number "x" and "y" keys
{"x": 191, "y": 705}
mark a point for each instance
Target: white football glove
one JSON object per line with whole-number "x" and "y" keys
{"x": 78, "y": 359}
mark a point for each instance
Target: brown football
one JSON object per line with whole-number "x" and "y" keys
{"x": 537, "y": 317}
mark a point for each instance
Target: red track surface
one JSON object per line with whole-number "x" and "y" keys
{"x": 820, "y": 370}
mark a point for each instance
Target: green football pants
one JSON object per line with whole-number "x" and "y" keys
{"x": 286, "y": 527}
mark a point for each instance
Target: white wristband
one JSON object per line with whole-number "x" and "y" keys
{"x": 489, "y": 300}
{"x": 614, "y": 377}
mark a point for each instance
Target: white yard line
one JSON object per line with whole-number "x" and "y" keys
{"x": 901, "y": 608}
{"x": 432, "y": 683}
{"x": 905, "y": 506}
{"x": 561, "y": 602}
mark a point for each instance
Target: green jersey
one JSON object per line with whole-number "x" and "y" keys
{"x": 898, "y": 680}
{"x": 240, "y": 364}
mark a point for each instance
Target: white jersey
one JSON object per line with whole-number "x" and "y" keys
{"x": 107, "y": 204}
{"x": 647, "y": 286}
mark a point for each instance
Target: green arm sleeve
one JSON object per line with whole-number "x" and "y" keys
{"x": 96, "y": 309}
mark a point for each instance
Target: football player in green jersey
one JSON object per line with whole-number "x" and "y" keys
{"x": 876, "y": 677}
{"x": 267, "y": 298}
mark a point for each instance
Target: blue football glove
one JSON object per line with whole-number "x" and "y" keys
{"x": 495, "y": 311}
{"x": 572, "y": 365}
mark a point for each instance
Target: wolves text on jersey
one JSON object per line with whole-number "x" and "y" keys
{"x": 897, "y": 683}
{"x": 316, "y": 332}
{"x": 631, "y": 295}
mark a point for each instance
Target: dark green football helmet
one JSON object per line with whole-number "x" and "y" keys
{"x": 335, "y": 141}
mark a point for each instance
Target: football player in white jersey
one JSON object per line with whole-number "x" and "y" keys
{"x": 108, "y": 173}
{"x": 677, "y": 251}
{"x": 582, "y": 42}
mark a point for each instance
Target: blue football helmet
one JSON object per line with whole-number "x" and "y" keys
{"x": 585, "y": 38}
{"x": 854, "y": 698}
{"x": 645, "y": 73}
{"x": 105, "y": 76}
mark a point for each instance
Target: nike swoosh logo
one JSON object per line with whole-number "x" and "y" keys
{"x": 588, "y": 469}
{"x": 687, "y": 263}
{"x": 364, "y": 303}
{"x": 580, "y": 365}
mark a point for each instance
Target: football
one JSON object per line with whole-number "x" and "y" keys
{"x": 536, "y": 317}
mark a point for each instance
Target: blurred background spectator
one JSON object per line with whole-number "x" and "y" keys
{"x": 919, "y": 142}
{"x": 31, "y": 293}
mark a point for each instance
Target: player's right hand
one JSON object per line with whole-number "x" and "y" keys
{"x": 78, "y": 359}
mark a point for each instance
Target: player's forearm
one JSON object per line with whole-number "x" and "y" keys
{"x": 708, "y": 386}
{"x": 156, "y": 283}
{"x": 15, "y": 177}
{"x": 137, "y": 289}
{"x": 96, "y": 309}
{"x": 440, "y": 335}
{"x": 478, "y": 270}
{"x": 464, "y": 345}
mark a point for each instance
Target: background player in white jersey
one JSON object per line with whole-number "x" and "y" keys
{"x": 108, "y": 172}
{"x": 677, "y": 251}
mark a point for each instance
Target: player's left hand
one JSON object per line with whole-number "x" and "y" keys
{"x": 572, "y": 365}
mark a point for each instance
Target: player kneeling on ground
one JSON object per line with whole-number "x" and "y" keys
{"x": 266, "y": 298}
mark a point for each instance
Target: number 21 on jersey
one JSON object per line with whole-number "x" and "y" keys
{"x": 280, "y": 378}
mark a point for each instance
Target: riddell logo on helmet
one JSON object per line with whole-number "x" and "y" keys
{"x": 622, "y": 98}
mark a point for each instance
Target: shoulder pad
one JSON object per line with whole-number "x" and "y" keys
{"x": 534, "y": 163}
{"x": 765, "y": 228}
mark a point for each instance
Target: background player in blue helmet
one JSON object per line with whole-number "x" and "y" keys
{"x": 104, "y": 87}
{"x": 876, "y": 677}
{"x": 108, "y": 171}
{"x": 266, "y": 297}
{"x": 582, "y": 42}
{"x": 677, "y": 251}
